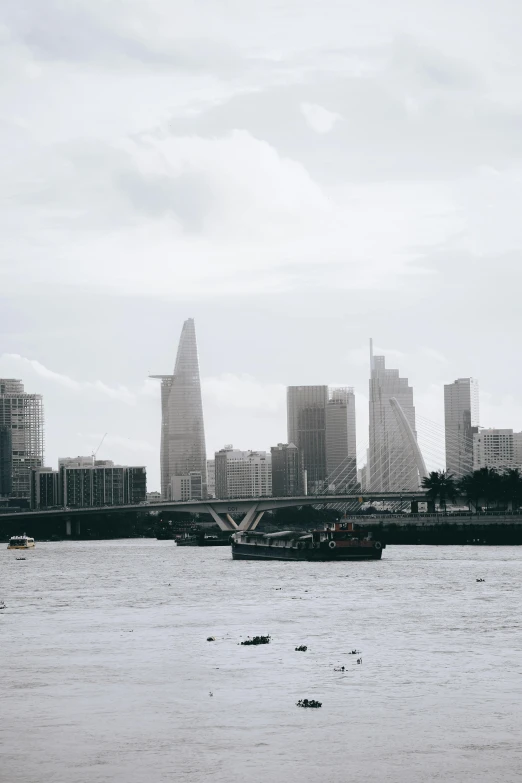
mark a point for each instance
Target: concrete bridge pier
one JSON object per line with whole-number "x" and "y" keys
{"x": 71, "y": 524}
{"x": 224, "y": 523}
{"x": 250, "y": 521}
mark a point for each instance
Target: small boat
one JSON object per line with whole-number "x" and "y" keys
{"x": 20, "y": 542}
{"x": 213, "y": 541}
{"x": 343, "y": 541}
{"x": 202, "y": 540}
{"x": 187, "y": 541}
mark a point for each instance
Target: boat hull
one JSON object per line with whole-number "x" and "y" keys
{"x": 263, "y": 552}
{"x": 199, "y": 542}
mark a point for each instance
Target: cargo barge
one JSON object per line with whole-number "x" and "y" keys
{"x": 343, "y": 541}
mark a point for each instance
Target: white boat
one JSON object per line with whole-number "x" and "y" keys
{"x": 20, "y": 542}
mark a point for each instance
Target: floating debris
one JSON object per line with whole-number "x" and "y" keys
{"x": 21, "y": 558}
{"x": 301, "y": 648}
{"x": 309, "y": 703}
{"x": 210, "y": 693}
{"x": 256, "y": 640}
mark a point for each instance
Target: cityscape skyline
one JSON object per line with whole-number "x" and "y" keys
{"x": 361, "y": 455}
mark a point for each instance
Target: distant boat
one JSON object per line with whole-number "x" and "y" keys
{"x": 20, "y": 542}
{"x": 202, "y": 540}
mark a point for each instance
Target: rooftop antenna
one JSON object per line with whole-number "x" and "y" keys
{"x": 94, "y": 453}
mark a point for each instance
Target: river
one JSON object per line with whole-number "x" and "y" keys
{"x": 107, "y": 675}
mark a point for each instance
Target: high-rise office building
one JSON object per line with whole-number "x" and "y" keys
{"x": 321, "y": 423}
{"x": 286, "y": 470}
{"x": 461, "y": 421}
{"x": 341, "y": 442}
{"x": 182, "y": 428}
{"x": 243, "y": 474}
{"x": 21, "y": 416}
{"x": 6, "y": 461}
{"x": 306, "y": 418}
{"x": 211, "y": 478}
{"x": 498, "y": 449}
{"x": 395, "y": 461}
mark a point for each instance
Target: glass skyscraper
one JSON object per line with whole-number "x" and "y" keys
{"x": 182, "y": 430}
{"x": 306, "y": 417}
{"x": 321, "y": 423}
{"x": 21, "y": 437}
{"x": 393, "y": 455}
{"x": 341, "y": 444}
{"x": 461, "y": 421}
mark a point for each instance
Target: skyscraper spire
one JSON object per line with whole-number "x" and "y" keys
{"x": 183, "y": 454}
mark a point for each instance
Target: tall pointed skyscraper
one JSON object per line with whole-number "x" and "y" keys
{"x": 183, "y": 453}
{"x": 395, "y": 460}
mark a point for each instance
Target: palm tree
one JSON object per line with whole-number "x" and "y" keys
{"x": 490, "y": 480}
{"x": 440, "y": 484}
{"x": 471, "y": 487}
{"x": 481, "y": 485}
{"x": 511, "y": 487}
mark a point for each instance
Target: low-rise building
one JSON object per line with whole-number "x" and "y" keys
{"x": 76, "y": 462}
{"x": 100, "y": 483}
{"x": 186, "y": 487}
{"x": 45, "y": 488}
{"x": 243, "y": 474}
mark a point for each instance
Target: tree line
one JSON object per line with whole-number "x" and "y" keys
{"x": 485, "y": 488}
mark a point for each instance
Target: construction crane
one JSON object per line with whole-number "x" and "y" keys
{"x": 94, "y": 453}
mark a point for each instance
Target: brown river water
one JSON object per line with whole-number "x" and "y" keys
{"x": 106, "y": 674}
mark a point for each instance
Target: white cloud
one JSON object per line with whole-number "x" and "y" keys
{"x": 318, "y": 118}
{"x": 243, "y": 392}
{"x": 165, "y": 215}
{"x": 22, "y": 364}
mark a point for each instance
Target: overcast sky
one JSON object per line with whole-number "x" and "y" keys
{"x": 296, "y": 175}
